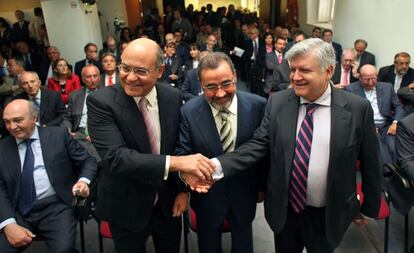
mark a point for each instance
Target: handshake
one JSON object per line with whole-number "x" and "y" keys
{"x": 196, "y": 170}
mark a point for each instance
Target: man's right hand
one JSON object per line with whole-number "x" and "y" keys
{"x": 18, "y": 236}
{"x": 200, "y": 186}
{"x": 197, "y": 165}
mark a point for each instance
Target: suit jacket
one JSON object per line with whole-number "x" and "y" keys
{"x": 52, "y": 108}
{"x": 353, "y": 137}
{"x": 198, "y": 134}
{"x": 259, "y": 63}
{"x": 271, "y": 61}
{"x": 387, "y": 74}
{"x": 71, "y": 85}
{"x": 191, "y": 86}
{"x": 80, "y": 64}
{"x": 174, "y": 68}
{"x": 366, "y": 58}
{"x": 336, "y": 77}
{"x": 388, "y": 103}
{"x": 280, "y": 78}
{"x": 73, "y": 113}
{"x": 61, "y": 155}
{"x": 402, "y": 198}
{"x": 407, "y": 98}
{"x": 338, "y": 51}
{"x": 102, "y": 82}
{"x": 20, "y": 34}
{"x": 131, "y": 175}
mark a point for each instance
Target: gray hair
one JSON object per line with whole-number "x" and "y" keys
{"x": 28, "y": 72}
{"x": 213, "y": 61}
{"x": 349, "y": 50}
{"x": 324, "y": 52}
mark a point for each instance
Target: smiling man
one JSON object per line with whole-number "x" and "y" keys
{"x": 134, "y": 127}
{"x": 314, "y": 134}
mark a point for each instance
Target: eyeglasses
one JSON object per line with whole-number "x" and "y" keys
{"x": 62, "y": 65}
{"x": 139, "y": 71}
{"x": 369, "y": 79}
{"x": 214, "y": 88}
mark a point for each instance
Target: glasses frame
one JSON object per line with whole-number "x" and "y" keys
{"x": 214, "y": 88}
{"x": 138, "y": 71}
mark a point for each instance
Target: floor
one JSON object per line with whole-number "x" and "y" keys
{"x": 367, "y": 239}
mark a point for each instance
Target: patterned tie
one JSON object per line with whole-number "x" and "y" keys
{"x": 255, "y": 49}
{"x": 149, "y": 124}
{"x": 110, "y": 83}
{"x": 226, "y": 137}
{"x": 27, "y": 192}
{"x": 345, "y": 77}
{"x": 299, "y": 177}
{"x": 36, "y": 103}
{"x": 279, "y": 58}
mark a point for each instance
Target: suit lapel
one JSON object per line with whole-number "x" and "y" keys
{"x": 47, "y": 144}
{"x": 132, "y": 120}
{"x": 243, "y": 126}
{"x": 44, "y": 103}
{"x": 380, "y": 94}
{"x": 14, "y": 164}
{"x": 78, "y": 107}
{"x": 289, "y": 114}
{"x": 165, "y": 118}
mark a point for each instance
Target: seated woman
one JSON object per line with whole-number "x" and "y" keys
{"x": 63, "y": 81}
{"x": 194, "y": 51}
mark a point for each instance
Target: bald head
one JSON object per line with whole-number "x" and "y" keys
{"x": 146, "y": 47}
{"x": 20, "y": 118}
{"x": 368, "y": 76}
{"x": 368, "y": 69}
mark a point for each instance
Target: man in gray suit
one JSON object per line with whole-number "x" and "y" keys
{"x": 75, "y": 118}
{"x": 386, "y": 105}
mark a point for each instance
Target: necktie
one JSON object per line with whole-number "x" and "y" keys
{"x": 299, "y": 177}
{"x": 149, "y": 124}
{"x": 279, "y": 58}
{"x": 110, "y": 83}
{"x": 36, "y": 103}
{"x": 345, "y": 77}
{"x": 254, "y": 49}
{"x": 27, "y": 192}
{"x": 226, "y": 137}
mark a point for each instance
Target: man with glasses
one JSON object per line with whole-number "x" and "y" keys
{"x": 212, "y": 124}
{"x": 386, "y": 106}
{"x": 134, "y": 127}
{"x": 110, "y": 75}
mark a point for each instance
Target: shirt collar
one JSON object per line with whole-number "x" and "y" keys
{"x": 38, "y": 95}
{"x": 151, "y": 97}
{"x": 34, "y": 136}
{"x": 324, "y": 100}
{"x": 232, "y": 108}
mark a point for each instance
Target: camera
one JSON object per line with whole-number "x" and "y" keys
{"x": 118, "y": 23}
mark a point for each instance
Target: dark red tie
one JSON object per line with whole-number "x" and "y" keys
{"x": 299, "y": 177}
{"x": 110, "y": 83}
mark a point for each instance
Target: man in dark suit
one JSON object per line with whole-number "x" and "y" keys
{"x": 38, "y": 180}
{"x": 110, "y": 75}
{"x": 280, "y": 79}
{"x": 173, "y": 72}
{"x": 311, "y": 186}
{"x": 327, "y": 37}
{"x": 363, "y": 56}
{"x": 191, "y": 86}
{"x": 33, "y": 61}
{"x": 202, "y": 130}
{"x": 134, "y": 127}
{"x": 399, "y": 74}
{"x": 275, "y": 57}
{"x": 21, "y": 27}
{"x": 386, "y": 106}
{"x": 91, "y": 52}
{"x": 254, "y": 58}
{"x": 406, "y": 95}
{"x": 111, "y": 46}
{"x": 346, "y": 71}
{"x": 76, "y": 115}
{"x": 47, "y": 102}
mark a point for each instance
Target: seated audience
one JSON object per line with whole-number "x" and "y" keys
{"x": 327, "y": 37}
{"x": 32, "y": 61}
{"x": 346, "y": 71}
{"x": 63, "y": 81}
{"x": 76, "y": 115}
{"x": 91, "y": 52}
{"x": 268, "y": 39}
{"x": 47, "y": 102}
{"x": 211, "y": 44}
{"x": 399, "y": 74}
{"x": 194, "y": 51}
{"x": 173, "y": 71}
{"x": 110, "y": 75}
{"x": 10, "y": 86}
{"x": 386, "y": 106}
{"x": 363, "y": 56}
{"x": 406, "y": 95}
{"x": 53, "y": 54}
{"x": 125, "y": 35}
{"x": 38, "y": 181}
{"x": 111, "y": 46}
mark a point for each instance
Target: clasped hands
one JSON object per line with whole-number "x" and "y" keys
{"x": 196, "y": 170}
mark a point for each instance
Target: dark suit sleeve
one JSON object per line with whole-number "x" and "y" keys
{"x": 406, "y": 94}
{"x": 67, "y": 117}
{"x": 109, "y": 141}
{"x": 184, "y": 144}
{"x": 404, "y": 147}
{"x": 382, "y": 73}
{"x": 6, "y": 209}
{"x": 59, "y": 108}
{"x": 370, "y": 165}
{"x": 250, "y": 152}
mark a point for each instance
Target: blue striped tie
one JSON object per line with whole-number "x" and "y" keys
{"x": 299, "y": 177}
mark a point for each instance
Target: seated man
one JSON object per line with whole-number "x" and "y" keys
{"x": 91, "y": 57}
{"x": 75, "y": 118}
{"x": 406, "y": 95}
{"x": 47, "y": 102}
{"x": 346, "y": 71}
{"x": 399, "y": 74}
{"x": 38, "y": 180}
{"x": 110, "y": 75}
{"x": 386, "y": 105}
{"x": 363, "y": 56}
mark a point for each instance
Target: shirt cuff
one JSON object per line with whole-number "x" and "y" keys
{"x": 395, "y": 121}
{"x": 218, "y": 174}
{"x": 84, "y": 179}
{"x": 167, "y": 167}
{"x": 7, "y": 222}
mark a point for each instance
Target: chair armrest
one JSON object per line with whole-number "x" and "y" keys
{"x": 396, "y": 171}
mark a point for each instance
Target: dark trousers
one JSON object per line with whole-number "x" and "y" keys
{"x": 165, "y": 231}
{"x": 386, "y": 144}
{"x": 303, "y": 230}
{"x": 53, "y": 221}
{"x": 209, "y": 237}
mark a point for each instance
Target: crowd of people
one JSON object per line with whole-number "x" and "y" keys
{"x": 158, "y": 112}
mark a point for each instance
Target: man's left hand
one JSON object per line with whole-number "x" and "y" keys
{"x": 180, "y": 204}
{"x": 392, "y": 130}
{"x": 80, "y": 189}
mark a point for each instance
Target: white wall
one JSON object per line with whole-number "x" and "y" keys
{"x": 109, "y": 9}
{"x": 385, "y": 24}
{"x": 69, "y": 28}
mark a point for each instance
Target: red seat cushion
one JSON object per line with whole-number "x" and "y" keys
{"x": 104, "y": 230}
{"x": 384, "y": 211}
{"x": 193, "y": 222}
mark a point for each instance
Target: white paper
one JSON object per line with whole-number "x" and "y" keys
{"x": 238, "y": 51}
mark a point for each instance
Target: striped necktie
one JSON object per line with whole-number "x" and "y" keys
{"x": 149, "y": 124}
{"x": 299, "y": 177}
{"x": 226, "y": 136}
